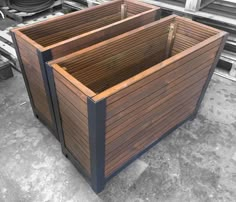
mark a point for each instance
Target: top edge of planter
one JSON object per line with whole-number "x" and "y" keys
{"x": 96, "y": 97}
{"x": 20, "y": 30}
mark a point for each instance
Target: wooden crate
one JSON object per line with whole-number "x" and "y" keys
{"x": 138, "y": 87}
{"x": 54, "y": 38}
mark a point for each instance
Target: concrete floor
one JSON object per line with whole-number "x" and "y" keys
{"x": 197, "y": 162}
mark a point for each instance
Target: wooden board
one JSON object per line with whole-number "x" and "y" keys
{"x": 74, "y": 112}
{"x": 36, "y": 84}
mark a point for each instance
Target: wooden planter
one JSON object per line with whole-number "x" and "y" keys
{"x": 137, "y": 88}
{"x": 54, "y": 38}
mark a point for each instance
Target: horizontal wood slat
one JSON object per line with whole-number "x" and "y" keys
{"x": 112, "y": 47}
{"x": 73, "y": 98}
{"x": 76, "y": 151}
{"x": 36, "y": 84}
{"x": 144, "y": 91}
{"x": 122, "y": 137}
{"x": 152, "y": 134}
{"x": 66, "y": 23}
{"x": 127, "y": 72}
{"x": 80, "y": 29}
{"x": 174, "y": 86}
{"x": 74, "y": 113}
{"x": 143, "y": 115}
{"x": 66, "y": 27}
{"x": 90, "y": 38}
{"x": 161, "y": 69}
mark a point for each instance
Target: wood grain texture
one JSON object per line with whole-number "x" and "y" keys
{"x": 73, "y": 111}
{"x": 69, "y": 27}
{"x": 34, "y": 76}
{"x": 98, "y": 35}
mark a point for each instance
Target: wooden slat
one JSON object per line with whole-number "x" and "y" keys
{"x": 127, "y": 72}
{"x": 116, "y": 91}
{"x": 182, "y": 43}
{"x": 84, "y": 54}
{"x": 70, "y": 108}
{"x": 119, "y": 147}
{"x": 40, "y": 102}
{"x": 21, "y": 41}
{"x": 70, "y": 21}
{"x": 145, "y": 90}
{"x": 139, "y": 3}
{"x": 163, "y": 105}
{"x": 77, "y": 30}
{"x": 152, "y": 134}
{"x": 72, "y": 97}
{"x": 194, "y": 23}
{"x": 73, "y": 112}
{"x": 112, "y": 65}
{"x": 32, "y": 69}
{"x": 135, "y": 7}
{"x": 72, "y": 81}
{"x": 173, "y": 83}
{"x": 90, "y": 38}
{"x": 62, "y": 28}
{"x": 78, "y": 122}
{"x": 165, "y": 95}
{"x": 74, "y": 148}
{"x": 74, "y": 130}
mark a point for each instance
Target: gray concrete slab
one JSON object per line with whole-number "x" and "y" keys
{"x": 195, "y": 163}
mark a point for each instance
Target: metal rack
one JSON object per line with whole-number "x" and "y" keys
{"x": 220, "y": 14}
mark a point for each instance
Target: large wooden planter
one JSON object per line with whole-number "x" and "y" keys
{"x": 42, "y": 42}
{"x": 117, "y": 98}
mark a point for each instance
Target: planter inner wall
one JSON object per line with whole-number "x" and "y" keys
{"x": 65, "y": 28}
{"x": 133, "y": 54}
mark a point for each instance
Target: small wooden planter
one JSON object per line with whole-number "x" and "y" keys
{"x": 137, "y": 88}
{"x": 54, "y": 38}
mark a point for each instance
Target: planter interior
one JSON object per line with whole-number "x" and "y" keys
{"x": 115, "y": 62}
{"x": 61, "y": 29}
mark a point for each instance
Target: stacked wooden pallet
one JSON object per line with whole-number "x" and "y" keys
{"x": 225, "y": 8}
{"x": 220, "y": 14}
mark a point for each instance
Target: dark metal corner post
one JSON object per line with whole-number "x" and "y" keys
{"x": 23, "y": 73}
{"x": 55, "y": 105}
{"x": 96, "y": 121}
{"x": 158, "y": 15}
{"x": 210, "y": 73}
{"x": 43, "y": 58}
